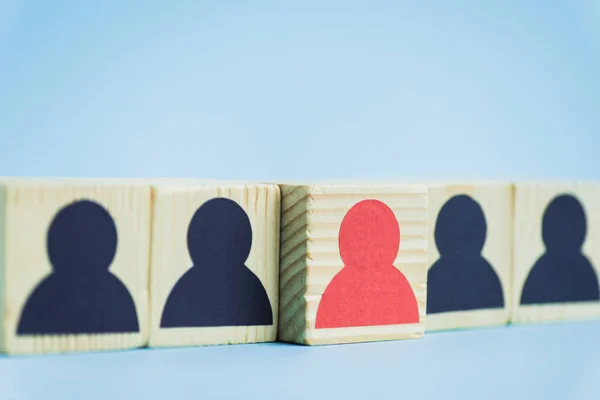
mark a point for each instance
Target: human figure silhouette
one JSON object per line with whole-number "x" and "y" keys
{"x": 219, "y": 290}
{"x": 80, "y": 295}
{"x": 368, "y": 290}
{"x": 462, "y": 279}
{"x": 562, "y": 274}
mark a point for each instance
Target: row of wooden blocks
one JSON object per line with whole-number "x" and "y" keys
{"x": 100, "y": 264}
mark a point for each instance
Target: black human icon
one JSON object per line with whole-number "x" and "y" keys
{"x": 563, "y": 274}
{"x": 219, "y": 289}
{"x": 462, "y": 279}
{"x": 81, "y": 295}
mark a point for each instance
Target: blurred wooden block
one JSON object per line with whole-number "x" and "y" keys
{"x": 470, "y": 255}
{"x": 353, "y": 264}
{"x": 215, "y": 263}
{"x": 556, "y": 252}
{"x": 74, "y": 261}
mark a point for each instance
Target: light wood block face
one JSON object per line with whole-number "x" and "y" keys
{"x": 215, "y": 264}
{"x": 556, "y": 252}
{"x": 470, "y": 255}
{"x": 74, "y": 265}
{"x": 343, "y": 276}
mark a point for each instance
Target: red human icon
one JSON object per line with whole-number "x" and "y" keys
{"x": 369, "y": 290}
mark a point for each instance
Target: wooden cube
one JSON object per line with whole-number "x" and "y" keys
{"x": 556, "y": 252}
{"x": 470, "y": 255}
{"x": 353, "y": 264}
{"x": 215, "y": 263}
{"x": 74, "y": 261}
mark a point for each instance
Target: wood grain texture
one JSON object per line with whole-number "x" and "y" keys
{"x": 496, "y": 200}
{"x": 292, "y": 263}
{"x": 310, "y": 223}
{"x": 531, "y": 200}
{"x": 27, "y": 209}
{"x": 174, "y": 205}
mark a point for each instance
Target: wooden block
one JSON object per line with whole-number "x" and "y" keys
{"x": 470, "y": 255}
{"x": 556, "y": 252}
{"x": 215, "y": 263}
{"x": 353, "y": 264}
{"x": 74, "y": 261}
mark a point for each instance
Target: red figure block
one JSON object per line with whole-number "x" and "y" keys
{"x": 369, "y": 290}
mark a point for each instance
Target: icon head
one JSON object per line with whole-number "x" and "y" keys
{"x": 82, "y": 238}
{"x": 460, "y": 228}
{"x": 369, "y": 235}
{"x": 219, "y": 234}
{"x": 564, "y": 224}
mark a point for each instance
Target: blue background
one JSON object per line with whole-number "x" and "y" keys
{"x": 312, "y": 89}
{"x": 304, "y": 90}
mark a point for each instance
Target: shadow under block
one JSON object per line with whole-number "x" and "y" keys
{"x": 556, "y": 252}
{"x": 470, "y": 255}
{"x": 353, "y": 264}
{"x": 215, "y": 263}
{"x": 74, "y": 265}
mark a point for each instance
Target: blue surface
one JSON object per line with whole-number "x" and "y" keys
{"x": 519, "y": 362}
